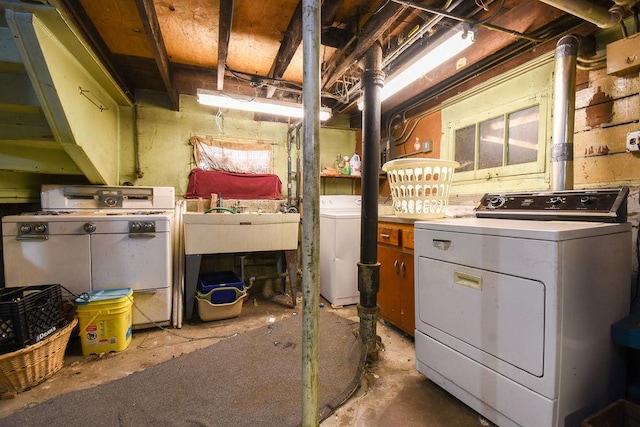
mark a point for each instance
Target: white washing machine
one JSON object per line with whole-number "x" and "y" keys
{"x": 340, "y": 248}
{"x": 513, "y": 316}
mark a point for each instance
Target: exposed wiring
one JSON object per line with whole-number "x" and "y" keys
{"x": 401, "y": 112}
{"x": 468, "y": 21}
{"x": 253, "y": 98}
{"x": 493, "y": 15}
{"x": 219, "y": 121}
{"x": 381, "y": 7}
{"x": 278, "y": 85}
{"x": 481, "y": 5}
{"x": 169, "y": 331}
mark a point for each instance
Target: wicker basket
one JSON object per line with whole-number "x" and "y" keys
{"x": 31, "y": 365}
{"x": 420, "y": 187}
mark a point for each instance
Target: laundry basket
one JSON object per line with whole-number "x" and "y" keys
{"x": 420, "y": 187}
{"x": 31, "y": 365}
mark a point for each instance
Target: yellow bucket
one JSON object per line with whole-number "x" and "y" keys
{"x": 105, "y": 320}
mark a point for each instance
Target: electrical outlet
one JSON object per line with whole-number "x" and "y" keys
{"x": 633, "y": 139}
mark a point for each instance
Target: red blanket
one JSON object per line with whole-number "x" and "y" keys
{"x": 202, "y": 183}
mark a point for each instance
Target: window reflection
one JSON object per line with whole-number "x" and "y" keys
{"x": 497, "y": 147}
{"x": 466, "y": 148}
{"x": 523, "y": 136}
{"x": 491, "y": 143}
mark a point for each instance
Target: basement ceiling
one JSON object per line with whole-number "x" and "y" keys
{"x": 254, "y": 47}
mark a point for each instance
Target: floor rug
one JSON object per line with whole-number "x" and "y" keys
{"x": 252, "y": 379}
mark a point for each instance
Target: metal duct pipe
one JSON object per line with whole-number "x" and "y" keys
{"x": 369, "y": 267}
{"x": 564, "y": 109}
{"x": 590, "y": 12}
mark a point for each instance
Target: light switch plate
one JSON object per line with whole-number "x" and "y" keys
{"x": 633, "y": 139}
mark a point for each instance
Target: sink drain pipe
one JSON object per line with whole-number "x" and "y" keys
{"x": 369, "y": 267}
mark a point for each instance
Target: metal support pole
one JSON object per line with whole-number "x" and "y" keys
{"x": 369, "y": 267}
{"x": 298, "y": 173}
{"x": 289, "y": 170}
{"x": 310, "y": 211}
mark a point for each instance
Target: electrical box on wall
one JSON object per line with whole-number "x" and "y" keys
{"x": 633, "y": 139}
{"x": 387, "y": 152}
{"x": 623, "y": 56}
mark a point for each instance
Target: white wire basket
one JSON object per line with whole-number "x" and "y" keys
{"x": 420, "y": 187}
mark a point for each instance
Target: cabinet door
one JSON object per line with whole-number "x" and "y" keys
{"x": 406, "y": 291}
{"x": 389, "y": 293}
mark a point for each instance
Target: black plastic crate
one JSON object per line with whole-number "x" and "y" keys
{"x": 29, "y": 314}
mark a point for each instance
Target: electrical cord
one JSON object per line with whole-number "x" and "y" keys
{"x": 189, "y": 339}
{"x": 85, "y": 296}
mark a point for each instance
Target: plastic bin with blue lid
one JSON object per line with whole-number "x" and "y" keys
{"x": 228, "y": 287}
{"x": 103, "y": 295}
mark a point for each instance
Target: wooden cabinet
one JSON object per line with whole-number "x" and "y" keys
{"x": 396, "y": 294}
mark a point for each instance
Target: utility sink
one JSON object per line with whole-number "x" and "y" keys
{"x": 215, "y": 233}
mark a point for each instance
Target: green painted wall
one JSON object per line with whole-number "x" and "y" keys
{"x": 166, "y": 156}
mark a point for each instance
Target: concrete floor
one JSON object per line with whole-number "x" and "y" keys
{"x": 392, "y": 392}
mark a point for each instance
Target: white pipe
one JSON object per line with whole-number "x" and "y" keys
{"x": 590, "y": 12}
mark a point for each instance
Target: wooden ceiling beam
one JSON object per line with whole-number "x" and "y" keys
{"x": 224, "y": 34}
{"x": 372, "y": 31}
{"x": 288, "y": 47}
{"x": 150, "y": 20}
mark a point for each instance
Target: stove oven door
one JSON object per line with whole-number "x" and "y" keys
{"x": 40, "y": 260}
{"x": 141, "y": 261}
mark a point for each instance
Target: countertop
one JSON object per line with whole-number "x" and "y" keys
{"x": 386, "y": 214}
{"x": 395, "y": 219}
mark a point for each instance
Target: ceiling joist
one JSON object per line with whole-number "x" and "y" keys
{"x": 224, "y": 34}
{"x": 150, "y": 21}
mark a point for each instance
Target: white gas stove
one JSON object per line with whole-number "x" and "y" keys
{"x": 97, "y": 237}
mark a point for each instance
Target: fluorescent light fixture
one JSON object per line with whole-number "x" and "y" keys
{"x": 257, "y": 105}
{"x": 446, "y": 47}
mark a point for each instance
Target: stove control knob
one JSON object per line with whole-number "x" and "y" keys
{"x": 149, "y": 227}
{"x": 135, "y": 227}
{"x": 89, "y": 227}
{"x": 496, "y": 202}
{"x": 25, "y": 228}
{"x": 40, "y": 228}
{"x": 556, "y": 200}
{"x": 586, "y": 200}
